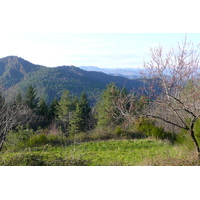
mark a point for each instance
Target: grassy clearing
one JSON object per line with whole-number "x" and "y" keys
{"x": 131, "y": 153}
{"x": 101, "y": 153}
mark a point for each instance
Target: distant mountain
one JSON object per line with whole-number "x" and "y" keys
{"x": 16, "y": 74}
{"x": 130, "y": 73}
{"x": 13, "y": 69}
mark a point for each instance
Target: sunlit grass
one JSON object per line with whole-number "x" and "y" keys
{"x": 140, "y": 152}
{"x": 124, "y": 152}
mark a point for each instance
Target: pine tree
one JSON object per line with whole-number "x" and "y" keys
{"x": 52, "y": 114}
{"x": 65, "y": 108}
{"x": 86, "y": 109}
{"x": 107, "y": 113}
{"x": 19, "y": 98}
{"x": 43, "y": 108}
{"x": 31, "y": 98}
{"x": 77, "y": 120}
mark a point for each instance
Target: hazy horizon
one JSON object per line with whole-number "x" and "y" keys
{"x": 104, "y": 50}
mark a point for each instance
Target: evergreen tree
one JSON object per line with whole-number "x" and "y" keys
{"x": 77, "y": 120}
{"x": 19, "y": 98}
{"x": 53, "y": 109}
{"x": 65, "y": 108}
{"x": 107, "y": 113}
{"x": 80, "y": 116}
{"x": 86, "y": 109}
{"x": 31, "y": 98}
{"x": 43, "y": 108}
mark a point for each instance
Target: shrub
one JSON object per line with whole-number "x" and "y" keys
{"x": 184, "y": 139}
{"x": 18, "y": 138}
{"x": 102, "y": 133}
{"x": 37, "y": 140}
{"x": 118, "y": 131}
{"x": 41, "y": 159}
{"x": 148, "y": 128}
{"x": 157, "y": 132}
{"x": 56, "y": 140}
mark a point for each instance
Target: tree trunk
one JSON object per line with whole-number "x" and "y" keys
{"x": 2, "y": 141}
{"x": 195, "y": 142}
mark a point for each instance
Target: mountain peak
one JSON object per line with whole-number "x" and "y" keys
{"x": 15, "y": 68}
{"x": 13, "y": 60}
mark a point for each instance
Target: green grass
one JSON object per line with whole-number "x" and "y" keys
{"x": 101, "y": 153}
{"x": 125, "y": 152}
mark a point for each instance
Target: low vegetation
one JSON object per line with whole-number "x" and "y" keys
{"x": 102, "y": 147}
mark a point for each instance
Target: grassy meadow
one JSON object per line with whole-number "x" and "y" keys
{"x": 84, "y": 150}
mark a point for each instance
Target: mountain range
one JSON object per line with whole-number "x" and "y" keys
{"x": 130, "y": 73}
{"x": 16, "y": 74}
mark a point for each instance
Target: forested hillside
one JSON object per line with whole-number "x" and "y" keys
{"x": 16, "y": 74}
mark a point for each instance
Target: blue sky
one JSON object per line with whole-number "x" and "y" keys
{"x": 113, "y": 50}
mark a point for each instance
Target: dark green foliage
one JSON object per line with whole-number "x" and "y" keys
{"x": 17, "y": 74}
{"x": 65, "y": 106}
{"x": 13, "y": 69}
{"x": 80, "y": 116}
{"x": 184, "y": 137}
{"x": 84, "y": 104}
{"x": 107, "y": 113}
{"x": 43, "y": 108}
{"x": 18, "y": 138}
{"x": 73, "y": 112}
{"x": 77, "y": 120}
{"x": 41, "y": 159}
{"x": 53, "y": 109}
{"x": 2, "y": 100}
{"x": 149, "y": 129}
{"x": 37, "y": 140}
{"x": 64, "y": 109}
{"x": 31, "y": 99}
{"x": 197, "y": 130}
{"x": 85, "y": 109}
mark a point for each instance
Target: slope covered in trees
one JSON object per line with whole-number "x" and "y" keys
{"x": 16, "y": 74}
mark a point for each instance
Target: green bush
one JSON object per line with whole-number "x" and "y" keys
{"x": 37, "y": 140}
{"x": 118, "y": 131}
{"x": 41, "y": 159}
{"x": 183, "y": 138}
{"x": 18, "y": 138}
{"x": 22, "y": 159}
{"x": 148, "y": 128}
{"x": 197, "y": 130}
{"x": 102, "y": 133}
{"x": 56, "y": 140}
{"x": 157, "y": 132}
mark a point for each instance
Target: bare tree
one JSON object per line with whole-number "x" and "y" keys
{"x": 12, "y": 115}
{"x": 129, "y": 106}
{"x": 172, "y": 82}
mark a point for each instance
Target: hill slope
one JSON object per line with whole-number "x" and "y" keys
{"x": 16, "y": 74}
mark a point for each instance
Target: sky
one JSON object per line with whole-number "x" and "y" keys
{"x": 106, "y": 33}
{"x": 105, "y": 50}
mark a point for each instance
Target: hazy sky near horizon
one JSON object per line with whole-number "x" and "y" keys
{"x": 104, "y": 33}
{"x": 106, "y": 50}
